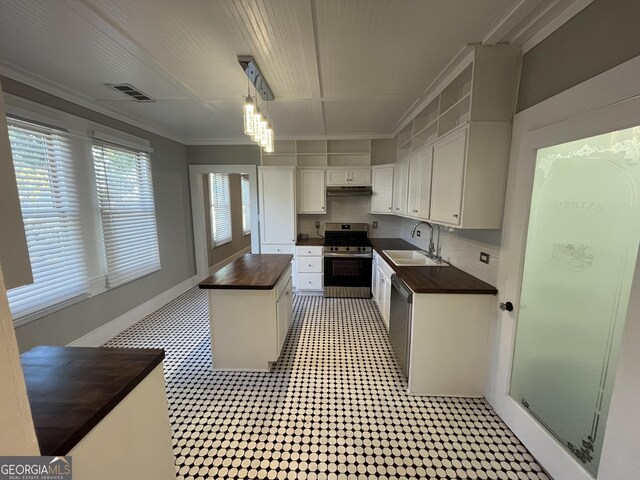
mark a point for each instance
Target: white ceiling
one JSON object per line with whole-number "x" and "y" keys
{"x": 336, "y": 67}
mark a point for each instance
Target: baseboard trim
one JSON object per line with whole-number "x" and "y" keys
{"x": 228, "y": 260}
{"x": 110, "y": 329}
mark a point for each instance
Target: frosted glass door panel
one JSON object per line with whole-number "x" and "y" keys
{"x": 582, "y": 241}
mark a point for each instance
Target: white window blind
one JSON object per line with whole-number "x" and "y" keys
{"x": 127, "y": 212}
{"x": 220, "y": 206}
{"x": 246, "y": 205}
{"x": 50, "y": 209}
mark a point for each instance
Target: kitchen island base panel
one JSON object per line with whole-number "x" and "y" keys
{"x": 133, "y": 440}
{"x": 248, "y": 327}
{"x": 449, "y": 345}
{"x": 243, "y": 333}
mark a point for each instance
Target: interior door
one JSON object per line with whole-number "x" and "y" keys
{"x": 581, "y": 246}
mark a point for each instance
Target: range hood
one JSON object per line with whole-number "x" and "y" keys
{"x": 349, "y": 190}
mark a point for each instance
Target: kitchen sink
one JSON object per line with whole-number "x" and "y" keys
{"x": 412, "y": 258}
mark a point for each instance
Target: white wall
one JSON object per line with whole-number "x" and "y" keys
{"x": 350, "y": 210}
{"x": 461, "y": 248}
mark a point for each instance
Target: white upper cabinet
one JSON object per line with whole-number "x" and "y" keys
{"x": 337, "y": 176}
{"x": 311, "y": 191}
{"x": 360, "y": 176}
{"x": 400, "y": 180}
{"x": 448, "y": 170}
{"x": 349, "y": 176}
{"x": 382, "y": 190}
{"x": 419, "y": 196}
{"x": 467, "y": 123}
{"x": 277, "y": 198}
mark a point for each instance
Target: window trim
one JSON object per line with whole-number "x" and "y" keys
{"x": 229, "y": 239}
{"x": 81, "y": 131}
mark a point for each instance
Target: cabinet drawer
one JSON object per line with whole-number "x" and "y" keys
{"x": 310, "y": 264}
{"x": 309, "y": 281}
{"x": 309, "y": 251}
{"x": 278, "y": 249}
{"x": 283, "y": 283}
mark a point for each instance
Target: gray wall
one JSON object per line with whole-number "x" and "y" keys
{"x": 601, "y": 36}
{"x": 223, "y": 155}
{"x": 239, "y": 241}
{"x": 171, "y": 187}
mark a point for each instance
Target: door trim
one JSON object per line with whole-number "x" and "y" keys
{"x": 600, "y": 105}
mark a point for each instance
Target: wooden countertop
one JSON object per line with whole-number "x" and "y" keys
{"x": 71, "y": 389}
{"x": 310, "y": 242}
{"x": 431, "y": 279}
{"x": 250, "y": 272}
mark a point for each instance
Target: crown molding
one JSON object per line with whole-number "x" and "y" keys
{"x": 246, "y": 141}
{"x": 84, "y": 101}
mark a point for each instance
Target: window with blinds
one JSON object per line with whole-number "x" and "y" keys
{"x": 246, "y": 205}
{"x": 50, "y": 209}
{"x": 220, "y": 208}
{"x": 127, "y": 212}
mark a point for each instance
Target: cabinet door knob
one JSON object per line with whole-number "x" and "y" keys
{"x": 506, "y": 306}
{"x": 309, "y": 264}
{"x": 455, "y": 215}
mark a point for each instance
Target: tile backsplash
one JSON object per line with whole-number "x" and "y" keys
{"x": 351, "y": 210}
{"x": 462, "y": 248}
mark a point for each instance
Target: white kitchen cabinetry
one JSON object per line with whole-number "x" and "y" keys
{"x": 467, "y": 121}
{"x": 14, "y": 255}
{"x": 381, "y": 288}
{"x": 310, "y": 267}
{"x": 312, "y": 191}
{"x": 382, "y": 189}
{"x": 248, "y": 327}
{"x": 448, "y": 172}
{"x": 400, "y": 184}
{"x": 277, "y": 198}
{"x": 419, "y": 195}
{"x": 469, "y": 174}
{"x": 348, "y": 176}
{"x": 452, "y": 330}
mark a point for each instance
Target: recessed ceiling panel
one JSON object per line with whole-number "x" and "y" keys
{"x": 198, "y": 42}
{"x": 55, "y": 45}
{"x": 391, "y": 46}
{"x": 365, "y": 116}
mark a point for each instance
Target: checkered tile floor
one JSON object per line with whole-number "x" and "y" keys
{"x": 333, "y": 407}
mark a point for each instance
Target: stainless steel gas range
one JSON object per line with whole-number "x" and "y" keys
{"x": 347, "y": 260}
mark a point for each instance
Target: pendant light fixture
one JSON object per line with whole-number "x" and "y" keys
{"x": 256, "y": 125}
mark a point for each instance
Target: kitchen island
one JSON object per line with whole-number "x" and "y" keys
{"x": 104, "y": 407}
{"x": 250, "y": 311}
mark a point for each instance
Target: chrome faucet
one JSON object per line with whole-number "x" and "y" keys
{"x": 432, "y": 248}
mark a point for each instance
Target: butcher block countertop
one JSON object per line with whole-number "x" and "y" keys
{"x": 71, "y": 389}
{"x": 250, "y": 272}
{"x": 431, "y": 279}
{"x": 310, "y": 242}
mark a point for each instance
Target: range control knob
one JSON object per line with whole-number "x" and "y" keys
{"x": 347, "y": 249}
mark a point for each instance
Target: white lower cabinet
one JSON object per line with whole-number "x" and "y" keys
{"x": 381, "y": 286}
{"x": 284, "y": 315}
{"x": 248, "y": 327}
{"x": 310, "y": 266}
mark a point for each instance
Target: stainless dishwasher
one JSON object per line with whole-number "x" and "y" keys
{"x": 400, "y": 322}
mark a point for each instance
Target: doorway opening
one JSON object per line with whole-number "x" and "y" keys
{"x": 224, "y": 204}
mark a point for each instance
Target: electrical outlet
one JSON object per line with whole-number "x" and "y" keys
{"x": 484, "y": 257}
{"x": 317, "y": 224}
{"x": 375, "y": 224}
{"x": 418, "y": 232}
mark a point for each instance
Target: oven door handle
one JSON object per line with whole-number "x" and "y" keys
{"x": 349, "y": 255}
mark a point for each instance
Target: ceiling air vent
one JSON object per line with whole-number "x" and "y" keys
{"x": 131, "y": 91}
